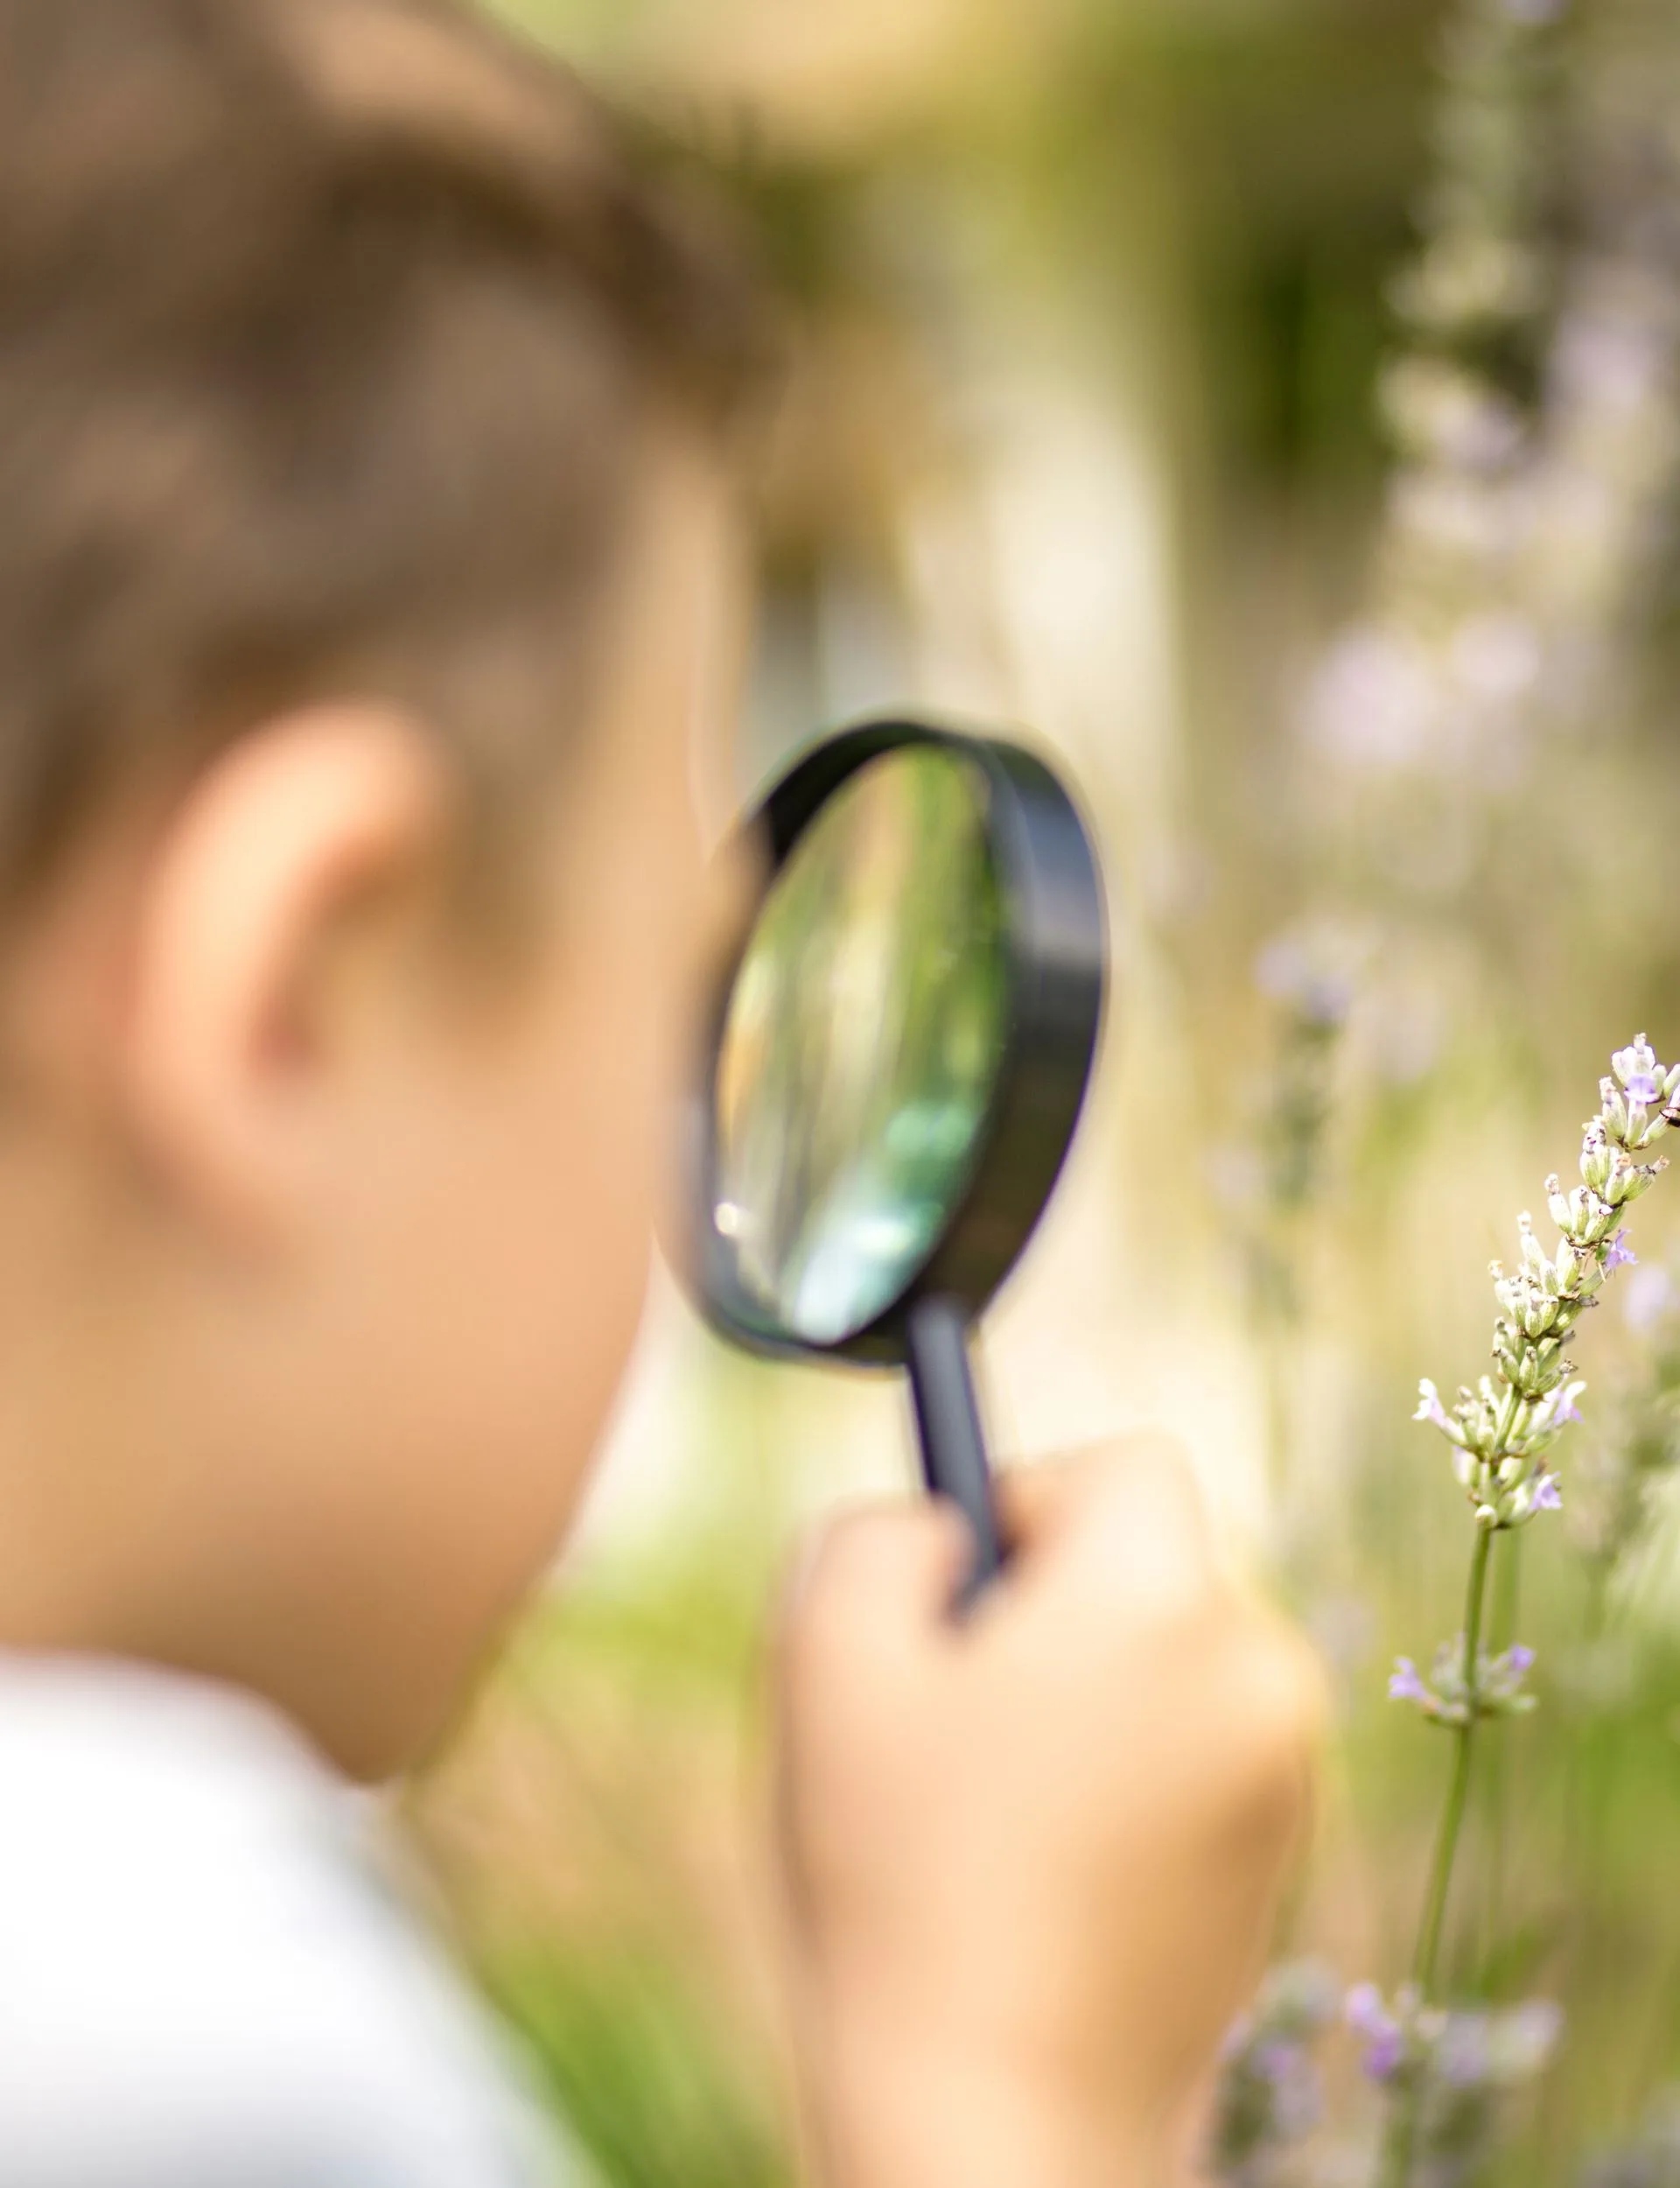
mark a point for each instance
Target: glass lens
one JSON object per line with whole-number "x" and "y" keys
{"x": 861, "y": 1045}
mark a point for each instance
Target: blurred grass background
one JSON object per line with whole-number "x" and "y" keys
{"x": 1271, "y": 405}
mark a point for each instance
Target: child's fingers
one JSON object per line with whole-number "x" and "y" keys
{"x": 1125, "y": 1515}
{"x": 878, "y": 1583}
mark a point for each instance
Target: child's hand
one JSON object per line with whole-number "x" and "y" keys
{"x": 1033, "y": 1856}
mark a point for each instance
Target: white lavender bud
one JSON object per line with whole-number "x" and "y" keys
{"x": 1539, "y": 1314}
{"x": 1597, "y": 1159}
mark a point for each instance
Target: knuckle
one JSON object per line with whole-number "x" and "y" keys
{"x": 844, "y": 1554}
{"x": 835, "y": 1581}
{"x": 839, "y": 1549}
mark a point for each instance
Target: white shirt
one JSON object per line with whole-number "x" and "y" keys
{"x": 205, "y": 1981}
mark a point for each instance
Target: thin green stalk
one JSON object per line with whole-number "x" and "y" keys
{"x": 1506, "y": 1589}
{"x": 1427, "y": 1956}
{"x": 1400, "y": 2139}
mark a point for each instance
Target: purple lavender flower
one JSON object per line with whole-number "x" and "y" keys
{"x": 1619, "y": 1255}
{"x": 1549, "y": 1496}
{"x": 1564, "y": 1409}
{"x": 1636, "y": 1059}
{"x": 1269, "y": 2092}
{"x": 1644, "y": 1087}
{"x": 1519, "y": 1658}
{"x": 1461, "y": 2054}
{"x": 1404, "y": 1685}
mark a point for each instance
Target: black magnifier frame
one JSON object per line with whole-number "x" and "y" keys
{"x": 1055, "y": 940}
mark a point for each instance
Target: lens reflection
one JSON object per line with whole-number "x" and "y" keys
{"x": 861, "y": 1047}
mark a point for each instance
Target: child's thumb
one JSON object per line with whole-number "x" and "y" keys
{"x": 882, "y": 1576}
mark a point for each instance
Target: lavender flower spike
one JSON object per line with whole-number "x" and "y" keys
{"x": 1501, "y": 1431}
{"x": 1502, "y": 1428}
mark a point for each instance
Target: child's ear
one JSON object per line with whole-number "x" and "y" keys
{"x": 224, "y": 1040}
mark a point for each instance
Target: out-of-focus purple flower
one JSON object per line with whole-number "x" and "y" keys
{"x": 1462, "y": 2057}
{"x": 1273, "y": 2060}
{"x": 1269, "y": 2092}
{"x": 1608, "y": 360}
{"x": 1498, "y": 656}
{"x": 1644, "y": 1086}
{"x": 1404, "y": 1685}
{"x": 1519, "y": 1658}
{"x": 1647, "y": 1297}
{"x": 1297, "y": 2092}
{"x": 1303, "y": 971}
{"x": 1383, "y": 2054}
{"x": 1385, "y": 2043}
{"x": 1373, "y": 700}
{"x": 1549, "y": 1496}
{"x": 1621, "y": 1254}
{"x": 1525, "y": 2038}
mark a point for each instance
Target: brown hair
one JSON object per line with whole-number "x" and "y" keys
{"x": 328, "y": 333}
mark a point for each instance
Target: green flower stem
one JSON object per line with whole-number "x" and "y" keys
{"x": 1500, "y": 1433}
{"x": 1427, "y": 1957}
{"x": 1400, "y": 2138}
{"x": 1506, "y": 1588}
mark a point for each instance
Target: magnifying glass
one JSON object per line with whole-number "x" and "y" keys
{"x": 897, "y": 1062}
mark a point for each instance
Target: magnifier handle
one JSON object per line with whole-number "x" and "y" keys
{"x": 948, "y": 1419}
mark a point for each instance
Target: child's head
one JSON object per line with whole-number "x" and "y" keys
{"x": 365, "y": 564}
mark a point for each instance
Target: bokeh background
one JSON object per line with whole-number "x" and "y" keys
{"x": 1271, "y": 407}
